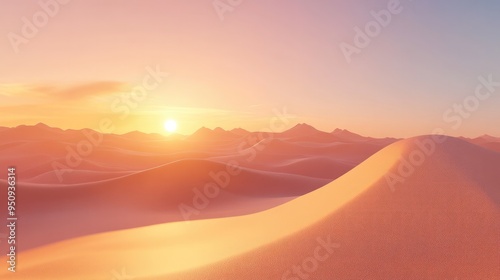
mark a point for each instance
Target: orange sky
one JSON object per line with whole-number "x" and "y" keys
{"x": 85, "y": 63}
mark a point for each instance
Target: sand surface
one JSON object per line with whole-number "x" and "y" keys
{"x": 302, "y": 204}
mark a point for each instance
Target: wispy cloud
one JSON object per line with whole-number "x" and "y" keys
{"x": 61, "y": 93}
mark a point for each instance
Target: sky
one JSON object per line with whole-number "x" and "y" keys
{"x": 378, "y": 68}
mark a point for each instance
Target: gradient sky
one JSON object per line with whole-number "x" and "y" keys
{"x": 263, "y": 56}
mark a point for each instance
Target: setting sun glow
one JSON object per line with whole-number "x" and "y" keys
{"x": 170, "y": 125}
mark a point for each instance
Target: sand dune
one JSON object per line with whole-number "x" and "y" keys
{"x": 115, "y": 155}
{"x": 318, "y": 167}
{"x": 494, "y": 146}
{"x": 353, "y": 153}
{"x": 155, "y": 193}
{"x": 442, "y": 221}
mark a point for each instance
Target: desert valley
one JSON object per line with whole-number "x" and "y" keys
{"x": 217, "y": 204}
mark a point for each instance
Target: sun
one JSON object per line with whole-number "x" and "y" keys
{"x": 170, "y": 125}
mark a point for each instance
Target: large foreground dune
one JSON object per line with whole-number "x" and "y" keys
{"x": 416, "y": 209}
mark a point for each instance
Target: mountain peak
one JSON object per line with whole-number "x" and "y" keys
{"x": 304, "y": 125}
{"x": 202, "y": 130}
{"x": 301, "y": 128}
{"x": 240, "y": 131}
{"x": 488, "y": 137}
{"x": 41, "y": 125}
{"x": 347, "y": 135}
{"x": 341, "y": 131}
{"x": 212, "y": 134}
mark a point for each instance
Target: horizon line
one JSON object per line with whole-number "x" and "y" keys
{"x": 248, "y": 131}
